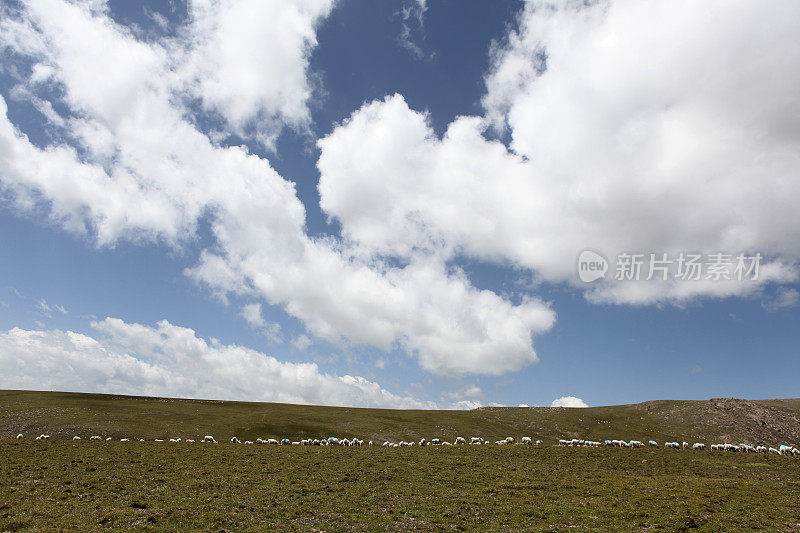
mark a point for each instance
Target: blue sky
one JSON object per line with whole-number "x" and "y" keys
{"x": 445, "y": 181}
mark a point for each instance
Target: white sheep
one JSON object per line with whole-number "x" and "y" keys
{"x": 773, "y": 450}
{"x": 538, "y": 442}
{"x": 654, "y": 444}
{"x": 475, "y": 440}
{"x": 158, "y": 440}
{"x": 76, "y": 438}
{"x": 108, "y": 438}
{"x": 248, "y": 442}
{"x": 141, "y": 440}
{"x": 20, "y": 436}
{"x": 234, "y": 440}
{"x": 698, "y": 446}
{"x": 460, "y": 440}
{"x": 124, "y": 440}
{"x": 785, "y": 450}
{"x": 526, "y": 440}
{"x": 423, "y": 442}
{"x": 208, "y": 438}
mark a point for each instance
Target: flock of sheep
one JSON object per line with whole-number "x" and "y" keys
{"x": 334, "y": 441}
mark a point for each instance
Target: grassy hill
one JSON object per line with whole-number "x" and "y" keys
{"x": 63, "y": 415}
{"x": 86, "y": 486}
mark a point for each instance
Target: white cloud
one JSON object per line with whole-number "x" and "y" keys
{"x": 568, "y": 401}
{"x": 412, "y": 26}
{"x": 785, "y": 298}
{"x": 624, "y": 138}
{"x": 43, "y": 307}
{"x": 523, "y": 405}
{"x": 302, "y": 342}
{"x": 249, "y": 60}
{"x": 168, "y": 360}
{"x": 252, "y": 315}
{"x": 134, "y": 166}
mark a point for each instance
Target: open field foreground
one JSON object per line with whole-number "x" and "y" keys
{"x": 64, "y": 484}
{"x": 92, "y": 485}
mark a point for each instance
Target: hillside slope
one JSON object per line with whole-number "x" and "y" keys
{"x": 63, "y": 415}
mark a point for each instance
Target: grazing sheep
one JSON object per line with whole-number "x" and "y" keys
{"x": 208, "y": 438}
{"x": 773, "y": 450}
{"x": 460, "y": 440}
{"x": 234, "y": 440}
{"x": 654, "y": 444}
{"x": 435, "y": 441}
{"x": 158, "y": 440}
{"x": 538, "y": 442}
{"x": 124, "y": 440}
{"x": 423, "y": 442}
{"x": 76, "y": 438}
{"x": 370, "y": 443}
{"x": 20, "y": 436}
{"x": 273, "y": 441}
{"x": 785, "y": 450}
{"x": 475, "y": 440}
{"x": 684, "y": 444}
{"x": 698, "y": 446}
{"x": 108, "y": 438}
{"x": 510, "y": 440}
{"x": 526, "y": 440}
{"x": 190, "y": 441}
{"x": 248, "y": 442}
{"x": 95, "y": 437}
{"x": 141, "y": 440}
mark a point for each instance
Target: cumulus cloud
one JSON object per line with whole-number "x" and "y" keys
{"x": 622, "y": 139}
{"x": 249, "y": 61}
{"x": 168, "y": 360}
{"x": 134, "y": 165}
{"x": 568, "y": 401}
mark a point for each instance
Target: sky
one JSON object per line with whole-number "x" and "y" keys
{"x": 408, "y": 204}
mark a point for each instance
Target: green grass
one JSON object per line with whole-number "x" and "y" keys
{"x": 64, "y": 485}
{"x": 89, "y": 485}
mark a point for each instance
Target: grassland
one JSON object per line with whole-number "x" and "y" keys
{"x": 52, "y": 485}
{"x": 64, "y": 485}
